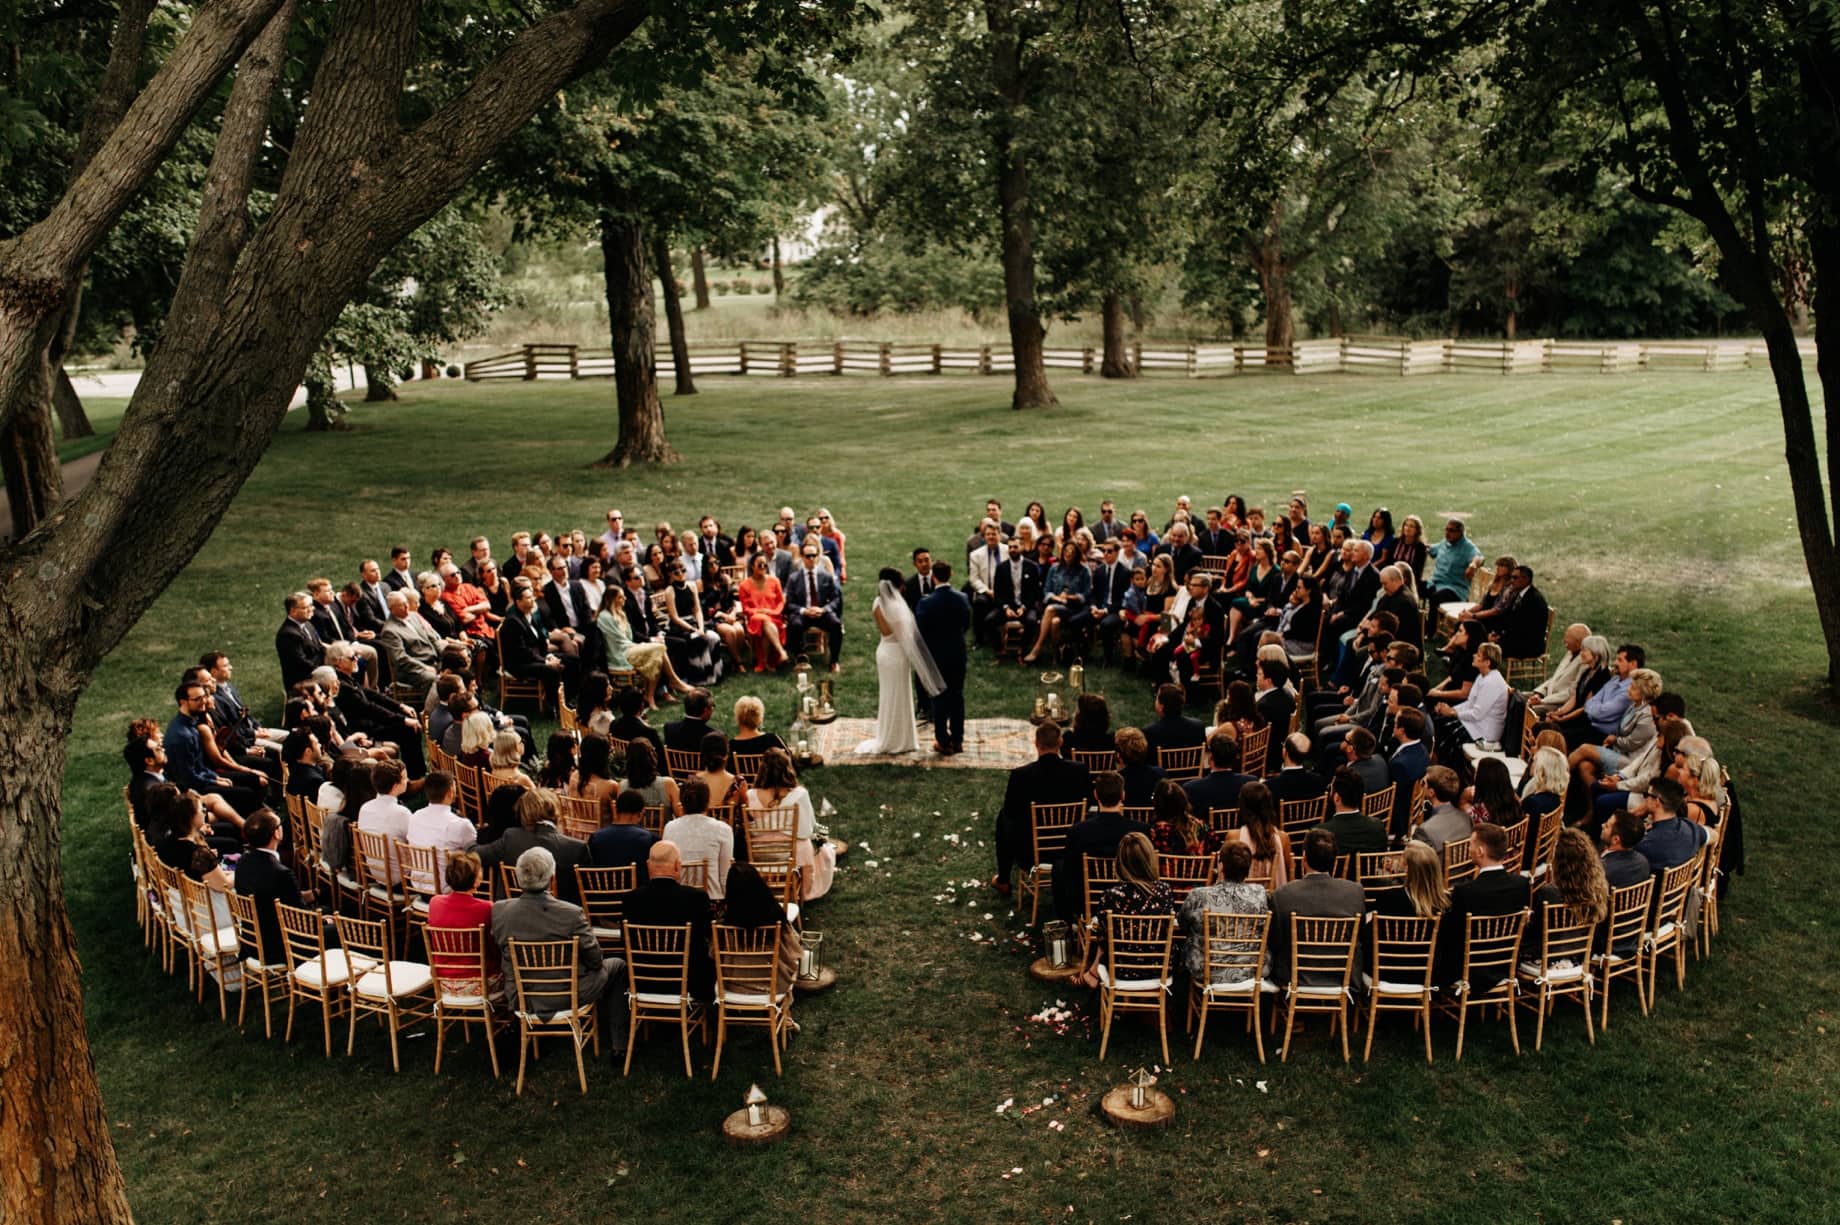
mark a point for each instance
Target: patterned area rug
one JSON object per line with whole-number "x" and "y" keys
{"x": 990, "y": 744}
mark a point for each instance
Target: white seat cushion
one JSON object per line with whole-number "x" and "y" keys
{"x": 551, "y": 1018}
{"x": 792, "y": 913}
{"x": 1133, "y": 984}
{"x": 749, "y": 999}
{"x": 406, "y": 978}
{"x": 1243, "y": 987}
{"x": 1561, "y": 972}
{"x": 218, "y": 943}
{"x": 1318, "y": 992}
{"x": 338, "y": 969}
{"x": 255, "y": 967}
{"x": 1614, "y": 959}
{"x": 656, "y": 997}
{"x": 1386, "y": 988}
{"x": 605, "y": 933}
{"x": 418, "y": 904}
{"x": 1665, "y": 931}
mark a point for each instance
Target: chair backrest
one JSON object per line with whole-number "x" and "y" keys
{"x": 249, "y": 931}
{"x": 1180, "y": 764}
{"x": 1223, "y": 820}
{"x": 200, "y": 914}
{"x": 1048, "y": 826}
{"x": 747, "y": 960}
{"x": 1235, "y": 947}
{"x": 466, "y": 782}
{"x": 1402, "y": 950}
{"x": 315, "y": 818}
{"x": 1137, "y": 946}
{"x": 578, "y": 818}
{"x": 508, "y": 882}
{"x": 1547, "y": 840}
{"x": 366, "y": 938}
{"x": 1671, "y": 894}
{"x": 1492, "y": 942}
{"x": 1378, "y": 870}
{"x": 694, "y": 874}
{"x": 658, "y": 960}
{"x": 1565, "y": 935}
{"x": 1457, "y": 864}
{"x": 746, "y": 766}
{"x": 682, "y": 763}
{"x": 566, "y": 719}
{"x": 1344, "y": 867}
{"x": 1145, "y": 814}
{"x": 545, "y": 974}
{"x": 654, "y": 816}
{"x": 783, "y": 879}
{"x": 1101, "y": 874}
{"x": 1379, "y": 804}
{"x": 616, "y": 747}
{"x": 1421, "y": 804}
{"x": 1517, "y": 844}
{"x": 375, "y": 863}
{"x": 1303, "y": 814}
{"x": 603, "y": 893}
{"x": 769, "y": 832}
{"x": 422, "y": 868}
{"x": 457, "y": 955}
{"x": 1095, "y": 760}
{"x": 1253, "y": 748}
{"x": 1184, "y": 873}
{"x": 1321, "y": 947}
{"x": 303, "y": 932}
{"x": 1629, "y": 912}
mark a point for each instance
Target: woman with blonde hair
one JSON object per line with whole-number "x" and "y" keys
{"x": 1700, "y": 776}
{"x": 1421, "y": 892}
{"x": 750, "y": 712}
{"x": 1577, "y": 882}
{"x": 778, "y": 786}
{"x": 476, "y": 734}
{"x": 507, "y": 759}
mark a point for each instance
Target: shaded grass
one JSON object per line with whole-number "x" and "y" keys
{"x": 1655, "y": 508}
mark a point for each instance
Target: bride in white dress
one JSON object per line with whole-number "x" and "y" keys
{"x": 899, "y": 657}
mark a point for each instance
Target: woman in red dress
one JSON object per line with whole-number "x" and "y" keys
{"x": 763, "y": 603}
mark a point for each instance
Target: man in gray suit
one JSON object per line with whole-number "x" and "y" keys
{"x": 414, "y": 649}
{"x": 1315, "y": 895}
{"x": 534, "y": 915}
{"x": 537, "y": 811}
{"x": 1447, "y": 822}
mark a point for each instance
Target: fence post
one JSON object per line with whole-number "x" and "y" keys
{"x": 1642, "y": 356}
{"x": 743, "y": 357}
{"x": 1546, "y": 348}
{"x": 530, "y": 362}
{"x": 938, "y": 359}
{"x": 1192, "y": 364}
{"x": 983, "y": 359}
{"x": 886, "y": 362}
{"x": 574, "y": 361}
{"x": 837, "y": 358}
{"x": 788, "y": 359}
{"x": 1086, "y": 361}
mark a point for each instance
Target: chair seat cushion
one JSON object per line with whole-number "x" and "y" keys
{"x": 1243, "y": 986}
{"x": 252, "y": 966}
{"x": 1132, "y": 984}
{"x": 339, "y": 969}
{"x": 552, "y": 1018}
{"x": 792, "y": 913}
{"x": 661, "y": 999}
{"x": 1559, "y": 972}
{"x": 406, "y": 978}
{"x": 605, "y": 933}
{"x": 1664, "y": 932}
{"x": 218, "y": 943}
{"x": 1385, "y": 988}
{"x": 1321, "y": 993}
{"x": 750, "y": 999}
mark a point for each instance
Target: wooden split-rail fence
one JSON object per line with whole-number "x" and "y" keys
{"x": 1347, "y": 355}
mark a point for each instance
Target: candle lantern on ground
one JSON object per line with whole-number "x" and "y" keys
{"x": 756, "y": 1100}
{"x": 1054, "y": 935}
{"x": 824, "y": 711}
{"x": 1138, "y": 1103}
{"x": 1051, "y": 702}
{"x": 1076, "y": 678}
{"x": 1141, "y": 1080}
{"x": 813, "y": 974}
{"x": 756, "y": 1123}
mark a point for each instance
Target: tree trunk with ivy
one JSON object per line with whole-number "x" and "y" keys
{"x": 379, "y": 385}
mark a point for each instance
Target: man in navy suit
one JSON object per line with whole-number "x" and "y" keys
{"x": 1111, "y": 580}
{"x": 1017, "y": 594}
{"x": 1220, "y": 787}
{"x": 814, "y": 601}
{"x": 297, "y": 644}
{"x": 1408, "y": 764}
{"x": 943, "y": 617}
{"x": 261, "y": 875}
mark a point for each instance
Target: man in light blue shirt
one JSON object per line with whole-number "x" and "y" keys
{"x": 1453, "y": 560}
{"x": 1605, "y": 708}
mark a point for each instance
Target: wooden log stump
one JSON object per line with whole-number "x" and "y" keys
{"x": 826, "y": 979}
{"x": 1041, "y": 968}
{"x": 1159, "y": 1109}
{"x": 775, "y": 1123}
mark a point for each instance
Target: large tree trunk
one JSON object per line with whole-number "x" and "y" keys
{"x": 243, "y": 324}
{"x": 56, "y": 1161}
{"x": 779, "y": 272}
{"x": 379, "y": 385}
{"x": 1275, "y": 284}
{"x": 1818, "y": 524}
{"x": 1116, "y": 363}
{"x": 630, "y": 319}
{"x": 699, "y": 279}
{"x": 673, "y": 314}
{"x": 1026, "y": 332}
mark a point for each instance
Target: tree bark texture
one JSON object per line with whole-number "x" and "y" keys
{"x": 28, "y": 457}
{"x": 379, "y": 386}
{"x": 673, "y": 315}
{"x": 209, "y": 402}
{"x": 699, "y": 279}
{"x": 1115, "y": 363}
{"x": 73, "y": 421}
{"x": 1026, "y": 332}
{"x": 630, "y": 321}
{"x": 779, "y": 272}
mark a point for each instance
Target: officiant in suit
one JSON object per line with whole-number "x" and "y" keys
{"x": 943, "y": 618}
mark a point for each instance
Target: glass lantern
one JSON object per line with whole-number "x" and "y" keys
{"x": 824, "y": 711}
{"x": 811, "y": 955}
{"x": 1076, "y": 678}
{"x": 1051, "y": 699}
{"x": 1055, "y": 937}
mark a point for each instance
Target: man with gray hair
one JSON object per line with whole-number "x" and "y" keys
{"x": 534, "y": 915}
{"x": 365, "y": 710}
{"x": 412, "y": 646}
{"x": 1556, "y": 690}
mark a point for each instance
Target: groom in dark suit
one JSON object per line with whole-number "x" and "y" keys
{"x": 943, "y": 617}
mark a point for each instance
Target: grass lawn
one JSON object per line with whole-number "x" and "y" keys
{"x": 1656, "y": 508}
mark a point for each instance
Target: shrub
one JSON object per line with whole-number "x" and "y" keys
{"x": 743, "y": 285}
{"x": 454, "y": 372}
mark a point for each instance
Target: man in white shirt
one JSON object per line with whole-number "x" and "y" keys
{"x": 1481, "y": 716}
{"x": 386, "y": 814}
{"x": 616, "y": 524}
{"x": 1557, "y": 689}
{"x": 699, "y": 836}
{"x": 438, "y": 825}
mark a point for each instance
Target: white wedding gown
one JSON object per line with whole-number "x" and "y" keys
{"x": 895, "y": 728}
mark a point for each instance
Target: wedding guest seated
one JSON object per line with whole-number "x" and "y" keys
{"x": 1220, "y": 786}
{"x": 1049, "y": 779}
{"x": 263, "y": 878}
{"x": 777, "y": 786}
{"x": 814, "y": 601}
{"x": 385, "y": 813}
{"x": 370, "y": 713}
{"x": 1172, "y": 729}
{"x": 748, "y": 739}
{"x": 686, "y": 734}
{"x": 1139, "y": 891}
{"x": 701, "y": 837}
{"x": 1262, "y": 833}
{"x": 714, "y": 773}
{"x": 1446, "y": 822}
{"x": 1670, "y": 841}
{"x": 505, "y": 764}
{"x": 186, "y": 766}
{"x": 436, "y": 824}
{"x": 1099, "y": 835}
{"x": 1232, "y": 894}
{"x": 1275, "y": 700}
{"x": 1553, "y": 692}
{"x": 1353, "y": 832}
{"x": 1577, "y": 882}
{"x": 300, "y": 752}
{"x": 558, "y": 770}
{"x": 537, "y": 811}
{"x": 1634, "y": 731}
{"x": 459, "y": 908}
{"x": 1317, "y": 895}
{"x": 1492, "y": 796}
{"x": 1066, "y": 600}
{"x": 1421, "y": 892}
{"x": 1407, "y": 765}
{"x": 413, "y": 647}
{"x": 1493, "y": 890}
{"x": 748, "y": 903}
{"x": 1623, "y": 864}
{"x": 627, "y": 841}
{"x": 1175, "y": 829}
{"x": 1294, "y": 781}
{"x": 644, "y": 779}
{"x": 1140, "y": 774}
{"x": 630, "y": 727}
{"x": 1358, "y": 750}
{"x": 663, "y": 901}
{"x": 1480, "y": 717}
{"x": 535, "y": 915}
{"x": 186, "y": 846}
